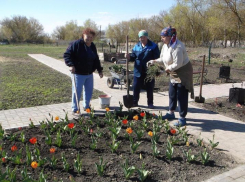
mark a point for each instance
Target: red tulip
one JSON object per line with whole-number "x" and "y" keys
{"x": 70, "y": 125}
{"x": 33, "y": 140}
{"x": 142, "y": 114}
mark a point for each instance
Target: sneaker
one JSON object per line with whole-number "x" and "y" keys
{"x": 181, "y": 122}
{"x": 151, "y": 106}
{"x": 169, "y": 116}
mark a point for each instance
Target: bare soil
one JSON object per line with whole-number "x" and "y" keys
{"x": 161, "y": 168}
{"x": 222, "y": 106}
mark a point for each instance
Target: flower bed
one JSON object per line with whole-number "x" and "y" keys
{"x": 113, "y": 147}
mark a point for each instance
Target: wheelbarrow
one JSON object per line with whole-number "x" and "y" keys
{"x": 119, "y": 78}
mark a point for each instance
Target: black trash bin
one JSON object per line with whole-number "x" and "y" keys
{"x": 237, "y": 95}
{"x": 224, "y": 72}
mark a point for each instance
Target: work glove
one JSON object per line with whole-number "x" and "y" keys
{"x": 151, "y": 62}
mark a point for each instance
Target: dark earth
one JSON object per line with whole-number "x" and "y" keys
{"x": 161, "y": 168}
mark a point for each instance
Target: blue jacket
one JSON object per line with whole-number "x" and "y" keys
{"x": 76, "y": 55}
{"x": 141, "y": 55}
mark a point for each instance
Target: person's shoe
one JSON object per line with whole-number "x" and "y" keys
{"x": 169, "y": 116}
{"x": 181, "y": 122}
{"x": 76, "y": 115}
{"x": 151, "y": 106}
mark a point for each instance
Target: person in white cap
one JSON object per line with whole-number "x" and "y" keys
{"x": 144, "y": 51}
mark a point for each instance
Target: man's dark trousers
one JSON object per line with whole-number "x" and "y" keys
{"x": 139, "y": 83}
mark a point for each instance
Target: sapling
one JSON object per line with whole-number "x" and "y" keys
{"x": 53, "y": 161}
{"x": 25, "y": 176}
{"x": 93, "y": 145}
{"x": 205, "y": 156}
{"x": 128, "y": 171}
{"x": 12, "y": 175}
{"x": 139, "y": 133}
{"x": 43, "y": 125}
{"x": 115, "y": 131}
{"x": 169, "y": 150}
{"x": 155, "y": 137}
{"x": 78, "y": 163}
{"x": 74, "y": 139}
{"x": 143, "y": 174}
{"x": 29, "y": 157}
{"x": 200, "y": 141}
{"x": 155, "y": 151}
{"x": 17, "y": 159}
{"x": 134, "y": 145}
{"x": 31, "y": 124}
{"x": 100, "y": 167}
{"x": 66, "y": 165}
{"x": 48, "y": 139}
{"x": 22, "y": 137}
{"x": 42, "y": 177}
{"x": 114, "y": 145}
{"x": 189, "y": 156}
{"x": 213, "y": 144}
{"x": 58, "y": 141}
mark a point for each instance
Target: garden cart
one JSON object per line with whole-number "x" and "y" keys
{"x": 118, "y": 76}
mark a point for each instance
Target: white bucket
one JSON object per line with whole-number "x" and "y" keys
{"x": 104, "y": 101}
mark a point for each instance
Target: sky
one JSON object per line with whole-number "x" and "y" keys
{"x": 54, "y": 13}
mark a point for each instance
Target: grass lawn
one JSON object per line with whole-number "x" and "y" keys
{"x": 25, "y": 82}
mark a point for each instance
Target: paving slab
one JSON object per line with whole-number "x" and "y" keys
{"x": 229, "y": 132}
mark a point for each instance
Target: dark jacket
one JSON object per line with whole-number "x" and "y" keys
{"x": 76, "y": 55}
{"x": 141, "y": 55}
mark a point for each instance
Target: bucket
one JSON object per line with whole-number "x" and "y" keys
{"x": 104, "y": 101}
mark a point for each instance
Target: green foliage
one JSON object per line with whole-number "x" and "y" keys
{"x": 189, "y": 156}
{"x": 78, "y": 163}
{"x": 169, "y": 150}
{"x": 205, "y": 156}
{"x": 101, "y": 167}
{"x": 213, "y": 144}
{"x": 128, "y": 171}
{"x": 153, "y": 71}
{"x": 25, "y": 82}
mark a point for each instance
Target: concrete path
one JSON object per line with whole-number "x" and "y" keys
{"x": 229, "y": 132}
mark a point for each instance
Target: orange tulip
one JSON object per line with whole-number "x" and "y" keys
{"x": 153, "y": 114}
{"x": 52, "y": 150}
{"x": 56, "y": 118}
{"x": 129, "y": 130}
{"x": 33, "y": 140}
{"x": 34, "y": 164}
{"x": 125, "y": 121}
{"x": 107, "y": 109}
{"x": 14, "y": 148}
{"x": 136, "y": 117}
{"x": 172, "y": 131}
{"x": 150, "y": 133}
{"x": 88, "y": 110}
{"x": 142, "y": 114}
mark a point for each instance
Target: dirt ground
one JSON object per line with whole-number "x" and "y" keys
{"x": 161, "y": 168}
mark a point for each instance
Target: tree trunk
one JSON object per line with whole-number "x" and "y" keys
{"x": 225, "y": 41}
